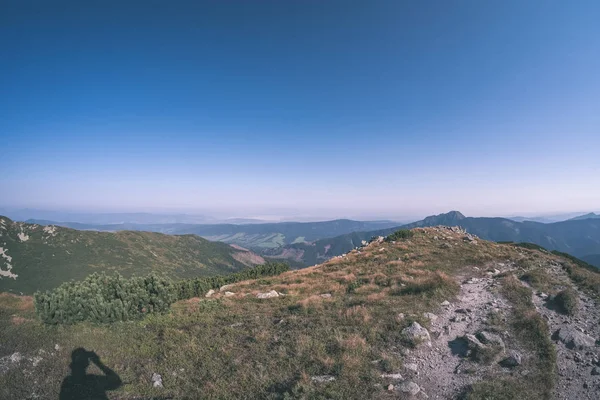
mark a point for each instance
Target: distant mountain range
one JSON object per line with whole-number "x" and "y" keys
{"x": 308, "y": 243}
{"x": 579, "y": 237}
{"x": 36, "y": 257}
{"x": 118, "y": 218}
{"x": 586, "y": 216}
{"x": 549, "y": 219}
{"x": 253, "y": 236}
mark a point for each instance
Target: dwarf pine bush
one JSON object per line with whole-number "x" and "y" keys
{"x": 106, "y": 298}
{"x": 399, "y": 235}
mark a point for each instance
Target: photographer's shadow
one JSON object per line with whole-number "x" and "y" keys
{"x": 82, "y": 386}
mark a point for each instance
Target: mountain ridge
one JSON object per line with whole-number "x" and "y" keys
{"x": 586, "y": 216}
{"x": 576, "y": 237}
{"x": 35, "y": 257}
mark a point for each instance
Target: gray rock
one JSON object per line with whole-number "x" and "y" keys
{"x": 412, "y": 367}
{"x": 390, "y": 387}
{"x": 267, "y": 295}
{"x": 409, "y": 387}
{"x": 417, "y": 333}
{"x": 157, "y": 380}
{"x": 490, "y": 338}
{"x": 574, "y": 339}
{"x": 473, "y": 342}
{"x": 322, "y": 378}
{"x": 430, "y": 316}
{"x": 595, "y": 371}
{"x": 392, "y": 376}
{"x": 229, "y": 294}
{"x": 445, "y": 303}
{"x": 209, "y": 293}
{"x": 513, "y": 360}
{"x": 226, "y": 287}
{"x": 326, "y": 295}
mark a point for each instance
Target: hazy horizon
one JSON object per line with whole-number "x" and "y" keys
{"x": 281, "y": 215}
{"x": 390, "y": 109}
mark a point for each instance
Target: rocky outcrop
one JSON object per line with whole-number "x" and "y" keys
{"x": 574, "y": 339}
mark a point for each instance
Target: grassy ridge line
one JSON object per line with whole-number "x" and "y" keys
{"x": 102, "y": 298}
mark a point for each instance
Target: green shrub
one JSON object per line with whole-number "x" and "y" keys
{"x": 567, "y": 301}
{"x": 102, "y": 298}
{"x": 399, "y": 235}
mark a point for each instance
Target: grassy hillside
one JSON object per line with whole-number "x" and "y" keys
{"x": 334, "y": 331}
{"x": 35, "y": 257}
{"x": 576, "y": 237}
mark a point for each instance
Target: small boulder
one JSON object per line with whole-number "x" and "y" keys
{"x": 445, "y": 303}
{"x": 267, "y": 295}
{"x": 513, "y": 360}
{"x": 417, "y": 334}
{"x": 574, "y": 339}
{"x": 390, "y": 387}
{"x": 225, "y": 287}
{"x": 209, "y": 293}
{"x": 483, "y": 348}
{"x": 322, "y": 378}
{"x": 397, "y": 377}
{"x": 408, "y": 387}
{"x": 490, "y": 338}
{"x": 326, "y": 295}
{"x": 229, "y": 294}
{"x": 473, "y": 343}
{"x": 157, "y": 380}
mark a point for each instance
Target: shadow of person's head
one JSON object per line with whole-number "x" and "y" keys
{"x": 80, "y": 360}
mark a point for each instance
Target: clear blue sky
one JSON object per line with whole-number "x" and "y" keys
{"x": 328, "y": 107}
